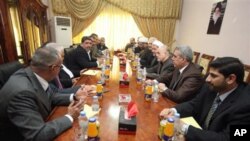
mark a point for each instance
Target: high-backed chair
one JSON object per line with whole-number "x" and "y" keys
{"x": 196, "y": 56}
{"x": 247, "y": 73}
{"x": 204, "y": 62}
{"x": 7, "y": 69}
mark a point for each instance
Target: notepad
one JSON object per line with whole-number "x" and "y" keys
{"x": 91, "y": 72}
{"x": 191, "y": 121}
{"x": 89, "y": 112}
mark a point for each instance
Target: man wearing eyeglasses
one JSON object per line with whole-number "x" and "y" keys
{"x": 27, "y": 101}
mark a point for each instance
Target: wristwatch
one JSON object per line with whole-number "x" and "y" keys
{"x": 74, "y": 97}
{"x": 184, "y": 129}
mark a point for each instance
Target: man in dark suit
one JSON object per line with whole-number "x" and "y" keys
{"x": 80, "y": 58}
{"x": 146, "y": 56}
{"x": 165, "y": 65}
{"x": 223, "y": 102}
{"x": 142, "y": 44}
{"x": 65, "y": 78}
{"x": 27, "y": 101}
{"x": 185, "y": 80}
{"x": 102, "y": 46}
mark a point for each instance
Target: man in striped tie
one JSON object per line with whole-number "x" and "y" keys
{"x": 222, "y": 102}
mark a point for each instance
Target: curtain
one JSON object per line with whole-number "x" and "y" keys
{"x": 82, "y": 12}
{"x": 115, "y": 25}
{"x": 16, "y": 28}
{"x": 153, "y": 17}
{"x": 162, "y": 29}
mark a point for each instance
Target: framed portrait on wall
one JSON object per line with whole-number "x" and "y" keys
{"x": 216, "y": 18}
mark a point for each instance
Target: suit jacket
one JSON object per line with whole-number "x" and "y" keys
{"x": 188, "y": 84}
{"x": 146, "y": 57}
{"x": 101, "y": 47}
{"x": 162, "y": 69}
{"x": 65, "y": 79}
{"x": 234, "y": 110}
{"x": 78, "y": 59}
{"x": 24, "y": 108}
{"x": 138, "y": 49}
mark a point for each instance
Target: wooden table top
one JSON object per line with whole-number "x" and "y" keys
{"x": 147, "y": 118}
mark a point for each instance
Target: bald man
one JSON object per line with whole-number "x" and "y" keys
{"x": 165, "y": 64}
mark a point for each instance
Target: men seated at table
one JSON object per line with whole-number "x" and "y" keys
{"x": 186, "y": 79}
{"x": 27, "y": 101}
{"x": 146, "y": 55}
{"x": 95, "y": 53}
{"x": 80, "y": 58}
{"x": 221, "y": 103}
{"x": 142, "y": 43}
{"x": 65, "y": 78}
{"x": 102, "y": 46}
{"x": 165, "y": 64}
{"x": 130, "y": 45}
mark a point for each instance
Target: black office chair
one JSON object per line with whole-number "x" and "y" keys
{"x": 7, "y": 69}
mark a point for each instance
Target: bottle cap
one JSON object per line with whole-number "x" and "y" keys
{"x": 177, "y": 115}
{"x": 82, "y": 113}
{"x": 92, "y": 119}
{"x": 170, "y": 120}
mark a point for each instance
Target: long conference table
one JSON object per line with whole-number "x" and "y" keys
{"x": 147, "y": 117}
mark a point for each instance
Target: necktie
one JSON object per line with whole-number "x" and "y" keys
{"x": 58, "y": 83}
{"x": 212, "y": 110}
{"x": 49, "y": 91}
{"x": 177, "y": 80}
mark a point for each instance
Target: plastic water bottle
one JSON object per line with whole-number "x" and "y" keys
{"x": 176, "y": 120}
{"x": 95, "y": 103}
{"x": 155, "y": 96}
{"x": 83, "y": 123}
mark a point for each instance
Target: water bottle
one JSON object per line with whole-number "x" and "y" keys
{"x": 176, "y": 120}
{"x": 93, "y": 130}
{"x": 155, "y": 96}
{"x": 169, "y": 130}
{"x": 83, "y": 123}
{"x": 103, "y": 78}
{"x": 95, "y": 103}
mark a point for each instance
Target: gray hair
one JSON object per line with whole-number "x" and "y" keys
{"x": 186, "y": 52}
{"x": 44, "y": 57}
{"x": 56, "y": 46}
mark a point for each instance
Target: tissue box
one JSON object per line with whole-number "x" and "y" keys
{"x": 124, "y": 80}
{"x": 126, "y": 126}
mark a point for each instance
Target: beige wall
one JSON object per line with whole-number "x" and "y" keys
{"x": 234, "y": 37}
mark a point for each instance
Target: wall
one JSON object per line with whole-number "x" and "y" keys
{"x": 234, "y": 37}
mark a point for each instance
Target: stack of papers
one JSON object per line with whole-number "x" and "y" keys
{"x": 191, "y": 121}
{"x": 89, "y": 112}
{"x": 91, "y": 72}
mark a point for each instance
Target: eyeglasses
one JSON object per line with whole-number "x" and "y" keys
{"x": 59, "y": 66}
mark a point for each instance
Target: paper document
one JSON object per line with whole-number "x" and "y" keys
{"x": 89, "y": 112}
{"x": 191, "y": 121}
{"x": 91, "y": 72}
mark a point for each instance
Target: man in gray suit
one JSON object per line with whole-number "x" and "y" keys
{"x": 186, "y": 79}
{"x": 27, "y": 101}
{"x": 165, "y": 64}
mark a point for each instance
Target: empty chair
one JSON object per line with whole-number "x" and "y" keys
{"x": 7, "y": 69}
{"x": 196, "y": 56}
{"x": 247, "y": 73}
{"x": 204, "y": 62}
